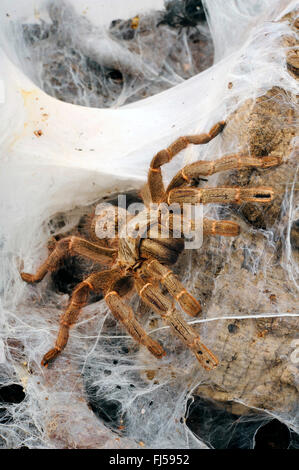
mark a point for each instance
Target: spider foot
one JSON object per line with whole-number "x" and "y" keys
{"x": 156, "y": 349}
{"x": 28, "y": 277}
{"x": 217, "y": 129}
{"x": 204, "y": 356}
{"x": 50, "y": 356}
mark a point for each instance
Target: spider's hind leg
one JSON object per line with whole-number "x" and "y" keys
{"x": 78, "y": 301}
{"x": 95, "y": 282}
{"x": 66, "y": 247}
{"x": 124, "y": 313}
{"x": 155, "y": 180}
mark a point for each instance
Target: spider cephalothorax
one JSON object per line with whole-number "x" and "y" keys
{"x": 142, "y": 260}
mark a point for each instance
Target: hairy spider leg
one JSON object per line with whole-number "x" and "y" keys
{"x": 155, "y": 180}
{"x": 236, "y": 161}
{"x": 226, "y": 228}
{"x": 70, "y": 246}
{"x": 153, "y": 296}
{"x": 219, "y": 195}
{"x": 97, "y": 282}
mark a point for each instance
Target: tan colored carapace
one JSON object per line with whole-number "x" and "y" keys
{"x": 142, "y": 262}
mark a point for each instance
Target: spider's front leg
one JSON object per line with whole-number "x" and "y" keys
{"x": 234, "y": 195}
{"x": 176, "y": 289}
{"x": 155, "y": 181}
{"x": 153, "y": 296}
{"x": 236, "y": 161}
{"x": 225, "y": 228}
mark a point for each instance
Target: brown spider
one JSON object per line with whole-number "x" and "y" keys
{"x": 141, "y": 262}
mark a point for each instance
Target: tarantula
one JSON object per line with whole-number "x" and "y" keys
{"x": 141, "y": 262}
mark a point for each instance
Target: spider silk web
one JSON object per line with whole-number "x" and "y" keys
{"x": 157, "y": 82}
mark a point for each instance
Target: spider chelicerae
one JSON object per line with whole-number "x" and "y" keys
{"x": 142, "y": 262}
